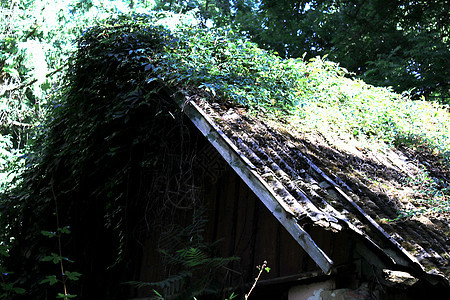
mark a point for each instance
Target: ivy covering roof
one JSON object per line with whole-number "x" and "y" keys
{"x": 285, "y": 115}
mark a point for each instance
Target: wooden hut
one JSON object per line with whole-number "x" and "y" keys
{"x": 273, "y": 197}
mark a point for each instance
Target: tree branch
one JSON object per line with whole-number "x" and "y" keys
{"x": 26, "y": 84}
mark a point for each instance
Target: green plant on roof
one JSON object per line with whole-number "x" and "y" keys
{"x": 314, "y": 95}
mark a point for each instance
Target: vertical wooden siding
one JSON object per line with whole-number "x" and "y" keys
{"x": 244, "y": 228}
{"x": 247, "y": 230}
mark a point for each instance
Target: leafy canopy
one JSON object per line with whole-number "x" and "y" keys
{"x": 317, "y": 94}
{"x": 402, "y": 44}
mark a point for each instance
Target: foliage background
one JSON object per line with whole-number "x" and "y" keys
{"x": 402, "y": 44}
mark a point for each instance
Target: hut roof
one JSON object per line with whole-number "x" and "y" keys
{"x": 307, "y": 179}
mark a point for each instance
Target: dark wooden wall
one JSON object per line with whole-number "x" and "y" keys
{"x": 249, "y": 231}
{"x": 243, "y": 227}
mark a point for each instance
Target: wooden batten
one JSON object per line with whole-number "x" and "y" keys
{"x": 246, "y": 171}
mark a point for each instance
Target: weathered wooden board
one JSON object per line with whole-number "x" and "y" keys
{"x": 243, "y": 167}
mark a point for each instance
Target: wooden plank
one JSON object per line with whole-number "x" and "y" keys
{"x": 244, "y": 168}
{"x": 291, "y": 258}
{"x": 266, "y": 246}
{"x": 248, "y": 211}
{"x": 225, "y": 214}
{"x": 410, "y": 259}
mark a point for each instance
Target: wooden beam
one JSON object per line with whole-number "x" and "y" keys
{"x": 407, "y": 257}
{"x": 247, "y": 172}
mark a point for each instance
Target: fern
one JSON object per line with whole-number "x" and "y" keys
{"x": 184, "y": 249}
{"x": 193, "y": 257}
{"x": 169, "y": 287}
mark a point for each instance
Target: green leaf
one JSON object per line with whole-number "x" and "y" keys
{"x": 11, "y": 71}
{"x": 19, "y": 291}
{"x": 49, "y": 234}
{"x": 55, "y": 258}
{"x": 72, "y": 275}
{"x": 66, "y": 296}
{"x": 151, "y": 79}
{"x": 50, "y": 279}
{"x": 64, "y": 229}
{"x": 3, "y": 250}
{"x": 149, "y": 67}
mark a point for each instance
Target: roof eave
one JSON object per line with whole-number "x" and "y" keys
{"x": 246, "y": 171}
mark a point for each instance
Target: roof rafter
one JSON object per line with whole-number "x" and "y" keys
{"x": 246, "y": 171}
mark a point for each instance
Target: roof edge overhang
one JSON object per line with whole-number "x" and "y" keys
{"x": 280, "y": 210}
{"x": 396, "y": 253}
{"x": 246, "y": 171}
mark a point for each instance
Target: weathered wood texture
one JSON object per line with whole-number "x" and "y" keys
{"x": 246, "y": 171}
{"x": 248, "y": 230}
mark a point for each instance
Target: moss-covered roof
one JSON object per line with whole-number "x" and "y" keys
{"x": 322, "y": 183}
